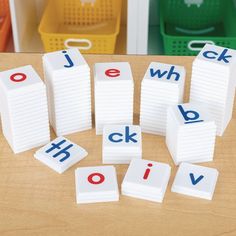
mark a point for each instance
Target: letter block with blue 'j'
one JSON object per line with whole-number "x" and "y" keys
{"x": 196, "y": 181}
{"x": 121, "y": 143}
{"x": 190, "y": 133}
{"x": 213, "y": 83}
{"x": 162, "y": 86}
{"x": 60, "y": 154}
{"x": 67, "y": 77}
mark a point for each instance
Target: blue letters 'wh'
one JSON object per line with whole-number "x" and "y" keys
{"x": 71, "y": 64}
{"x": 195, "y": 181}
{"x": 213, "y": 55}
{"x": 189, "y": 116}
{"x": 160, "y": 74}
{"x": 128, "y": 137}
{"x": 62, "y": 151}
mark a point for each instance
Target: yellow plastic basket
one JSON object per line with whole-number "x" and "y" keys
{"x": 92, "y": 28}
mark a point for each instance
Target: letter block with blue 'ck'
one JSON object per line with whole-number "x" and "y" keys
{"x": 213, "y": 83}
{"x": 190, "y": 133}
{"x": 121, "y": 143}
{"x": 196, "y": 181}
{"x": 60, "y": 154}
{"x": 162, "y": 86}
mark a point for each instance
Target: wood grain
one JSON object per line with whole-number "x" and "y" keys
{"x": 34, "y": 200}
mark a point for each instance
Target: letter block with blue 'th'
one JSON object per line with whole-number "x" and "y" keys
{"x": 190, "y": 133}
{"x": 60, "y": 154}
{"x": 121, "y": 143}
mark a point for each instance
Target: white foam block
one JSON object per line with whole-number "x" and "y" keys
{"x": 96, "y": 184}
{"x": 121, "y": 143}
{"x": 146, "y": 180}
{"x": 162, "y": 86}
{"x": 196, "y": 181}
{"x": 60, "y": 154}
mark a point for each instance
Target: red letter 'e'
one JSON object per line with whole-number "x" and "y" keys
{"x": 112, "y": 73}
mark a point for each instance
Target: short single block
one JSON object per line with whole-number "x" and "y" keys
{"x": 121, "y": 143}
{"x": 60, "y": 154}
{"x": 96, "y": 184}
{"x": 146, "y": 180}
{"x": 196, "y": 181}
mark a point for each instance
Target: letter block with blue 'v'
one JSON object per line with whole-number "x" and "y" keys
{"x": 121, "y": 143}
{"x": 190, "y": 133}
{"x": 60, "y": 154}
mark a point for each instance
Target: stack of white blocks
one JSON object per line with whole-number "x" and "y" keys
{"x": 146, "y": 180}
{"x": 162, "y": 86}
{"x": 213, "y": 83}
{"x": 190, "y": 133}
{"x": 121, "y": 143}
{"x": 67, "y": 77}
{"x": 114, "y": 91}
{"x": 24, "y": 109}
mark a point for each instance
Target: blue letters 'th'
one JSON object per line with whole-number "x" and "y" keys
{"x": 62, "y": 151}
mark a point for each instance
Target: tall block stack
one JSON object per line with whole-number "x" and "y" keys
{"x": 162, "y": 86}
{"x": 190, "y": 133}
{"x": 114, "y": 91}
{"x": 213, "y": 83}
{"x": 67, "y": 76}
{"x": 24, "y": 109}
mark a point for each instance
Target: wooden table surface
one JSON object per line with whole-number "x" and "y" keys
{"x": 35, "y": 200}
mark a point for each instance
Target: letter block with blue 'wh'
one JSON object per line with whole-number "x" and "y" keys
{"x": 213, "y": 83}
{"x": 60, "y": 154}
{"x": 196, "y": 181}
{"x": 121, "y": 143}
{"x": 190, "y": 133}
{"x": 162, "y": 86}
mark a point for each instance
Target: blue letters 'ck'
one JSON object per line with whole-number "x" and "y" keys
{"x": 192, "y": 119}
{"x": 195, "y": 181}
{"x": 62, "y": 151}
{"x": 71, "y": 64}
{"x": 128, "y": 137}
{"x": 160, "y": 74}
{"x": 213, "y": 55}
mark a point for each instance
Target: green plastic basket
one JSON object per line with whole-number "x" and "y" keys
{"x": 180, "y": 41}
{"x": 193, "y": 14}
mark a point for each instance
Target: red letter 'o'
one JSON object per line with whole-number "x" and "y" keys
{"x": 14, "y": 79}
{"x": 101, "y": 178}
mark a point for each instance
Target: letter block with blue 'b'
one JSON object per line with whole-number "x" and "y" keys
{"x": 213, "y": 83}
{"x": 121, "y": 143}
{"x": 190, "y": 133}
{"x": 60, "y": 154}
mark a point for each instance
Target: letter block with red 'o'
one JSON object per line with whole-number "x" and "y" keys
{"x": 96, "y": 184}
{"x": 24, "y": 109}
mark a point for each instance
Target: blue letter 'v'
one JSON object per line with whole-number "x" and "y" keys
{"x": 195, "y": 181}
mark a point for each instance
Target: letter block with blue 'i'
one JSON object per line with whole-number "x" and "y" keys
{"x": 213, "y": 83}
{"x": 121, "y": 143}
{"x": 190, "y": 133}
{"x": 162, "y": 86}
{"x": 60, "y": 154}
